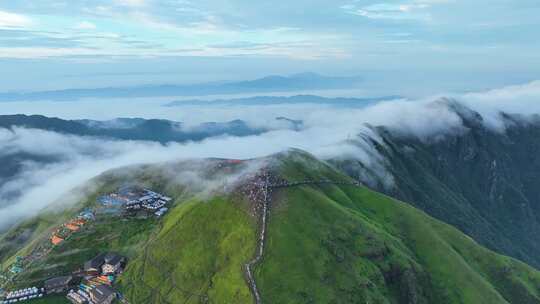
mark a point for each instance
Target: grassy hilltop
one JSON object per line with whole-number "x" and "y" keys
{"x": 326, "y": 243}
{"x": 344, "y": 244}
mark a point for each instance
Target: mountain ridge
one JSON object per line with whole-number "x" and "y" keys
{"x": 332, "y": 242}
{"x": 159, "y": 130}
{"x": 479, "y": 179}
{"x": 295, "y": 82}
{"x": 287, "y": 100}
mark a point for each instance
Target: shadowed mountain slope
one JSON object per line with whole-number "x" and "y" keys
{"x": 482, "y": 181}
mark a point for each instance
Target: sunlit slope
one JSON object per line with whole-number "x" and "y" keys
{"x": 194, "y": 254}
{"x": 326, "y": 243}
{"x": 196, "y": 257}
{"x": 108, "y": 232}
{"x": 346, "y": 244}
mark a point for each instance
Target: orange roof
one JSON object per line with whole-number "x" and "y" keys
{"x": 234, "y": 161}
{"x": 78, "y": 222}
{"x": 72, "y": 227}
{"x": 56, "y": 240}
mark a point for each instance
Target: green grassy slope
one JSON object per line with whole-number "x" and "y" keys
{"x": 196, "y": 257}
{"x": 194, "y": 254}
{"x": 108, "y": 233}
{"x": 482, "y": 181}
{"x": 345, "y": 244}
{"x": 325, "y": 244}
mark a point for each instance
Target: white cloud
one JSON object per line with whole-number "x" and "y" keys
{"x": 411, "y": 10}
{"x": 390, "y": 11}
{"x": 326, "y": 133}
{"x": 12, "y": 20}
{"x": 307, "y": 49}
{"x": 432, "y": 2}
{"x": 83, "y": 158}
{"x": 85, "y": 25}
{"x": 169, "y": 35}
{"x": 131, "y": 3}
{"x": 47, "y": 52}
{"x": 518, "y": 99}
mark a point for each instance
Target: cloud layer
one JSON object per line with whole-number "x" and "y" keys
{"x": 328, "y": 132}
{"x": 10, "y": 20}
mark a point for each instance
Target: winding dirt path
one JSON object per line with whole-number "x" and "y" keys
{"x": 260, "y": 244}
{"x": 263, "y": 223}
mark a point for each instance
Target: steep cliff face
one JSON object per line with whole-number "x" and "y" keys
{"x": 484, "y": 182}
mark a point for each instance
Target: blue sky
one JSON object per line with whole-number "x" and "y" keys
{"x": 445, "y": 44}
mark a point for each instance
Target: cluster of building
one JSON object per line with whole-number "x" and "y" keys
{"x": 99, "y": 275}
{"x": 44, "y": 248}
{"x": 23, "y": 295}
{"x": 70, "y": 227}
{"x": 135, "y": 200}
{"x": 100, "y": 294}
{"x": 17, "y": 267}
{"x": 93, "y": 285}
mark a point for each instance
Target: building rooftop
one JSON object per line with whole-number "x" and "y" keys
{"x": 56, "y": 240}
{"x": 113, "y": 258}
{"x": 59, "y": 281}
{"x": 101, "y": 293}
{"x": 95, "y": 263}
{"x": 102, "y": 258}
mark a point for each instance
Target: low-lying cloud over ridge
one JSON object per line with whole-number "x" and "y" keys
{"x": 327, "y": 132}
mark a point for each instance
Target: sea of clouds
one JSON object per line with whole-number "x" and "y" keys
{"x": 326, "y": 134}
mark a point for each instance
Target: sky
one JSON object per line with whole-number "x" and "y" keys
{"x": 410, "y": 46}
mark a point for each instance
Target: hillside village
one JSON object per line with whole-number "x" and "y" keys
{"x": 93, "y": 283}
{"x": 132, "y": 200}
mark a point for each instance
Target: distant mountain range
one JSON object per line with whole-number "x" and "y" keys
{"x": 157, "y": 130}
{"x": 154, "y": 130}
{"x": 287, "y": 100}
{"x": 298, "y": 82}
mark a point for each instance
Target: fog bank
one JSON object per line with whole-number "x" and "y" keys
{"x": 328, "y": 132}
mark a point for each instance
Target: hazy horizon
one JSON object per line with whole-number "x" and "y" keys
{"x": 408, "y": 47}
